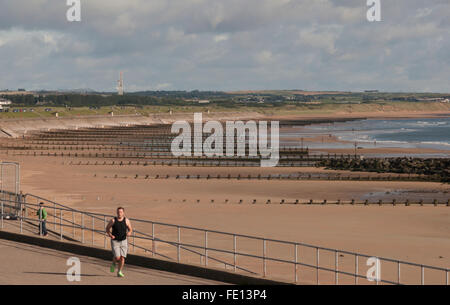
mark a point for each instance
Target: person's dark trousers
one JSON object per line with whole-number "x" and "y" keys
{"x": 44, "y": 227}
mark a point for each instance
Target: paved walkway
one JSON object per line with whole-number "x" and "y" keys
{"x": 29, "y": 264}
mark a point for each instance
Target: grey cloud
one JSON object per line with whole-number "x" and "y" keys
{"x": 226, "y": 44}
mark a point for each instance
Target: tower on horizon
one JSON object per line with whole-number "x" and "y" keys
{"x": 120, "y": 84}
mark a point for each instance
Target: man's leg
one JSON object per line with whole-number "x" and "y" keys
{"x": 44, "y": 227}
{"x": 121, "y": 263}
{"x": 115, "y": 261}
{"x": 116, "y": 256}
{"x": 123, "y": 254}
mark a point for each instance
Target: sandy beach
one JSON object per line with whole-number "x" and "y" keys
{"x": 415, "y": 233}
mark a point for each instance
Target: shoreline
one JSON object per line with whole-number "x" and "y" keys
{"x": 18, "y": 127}
{"x": 339, "y": 142}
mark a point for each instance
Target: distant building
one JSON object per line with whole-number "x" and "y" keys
{"x": 120, "y": 84}
{"x": 203, "y": 101}
{"x": 4, "y": 102}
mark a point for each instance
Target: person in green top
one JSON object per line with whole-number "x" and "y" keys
{"x": 42, "y": 214}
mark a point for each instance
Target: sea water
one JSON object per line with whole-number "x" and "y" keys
{"x": 372, "y": 133}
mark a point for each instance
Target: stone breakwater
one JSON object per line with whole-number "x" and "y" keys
{"x": 15, "y": 128}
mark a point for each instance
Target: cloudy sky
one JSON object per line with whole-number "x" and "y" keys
{"x": 226, "y": 45}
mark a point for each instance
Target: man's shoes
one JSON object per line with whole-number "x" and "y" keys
{"x": 112, "y": 268}
{"x": 120, "y": 274}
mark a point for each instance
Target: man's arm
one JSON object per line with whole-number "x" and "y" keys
{"x": 130, "y": 229}
{"x": 108, "y": 228}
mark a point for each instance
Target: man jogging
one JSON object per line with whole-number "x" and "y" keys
{"x": 42, "y": 214}
{"x": 121, "y": 228}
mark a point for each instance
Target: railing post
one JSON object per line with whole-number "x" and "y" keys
{"x": 93, "y": 228}
{"x": 60, "y": 224}
{"x": 295, "y": 266}
{"x": 153, "y": 239}
{"x": 40, "y": 221}
{"x": 206, "y": 248}
{"x": 104, "y": 234}
{"x": 134, "y": 241}
{"x": 356, "y": 269}
{"x": 336, "y": 267}
{"x": 398, "y": 279}
{"x": 82, "y": 228}
{"x": 73, "y": 224}
{"x": 234, "y": 250}
{"x": 422, "y": 271}
{"x": 317, "y": 266}
{"x": 54, "y": 216}
{"x": 21, "y": 217}
{"x": 2, "y": 216}
{"x": 179, "y": 247}
{"x": 264, "y": 258}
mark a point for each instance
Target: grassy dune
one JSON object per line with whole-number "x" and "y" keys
{"x": 267, "y": 109}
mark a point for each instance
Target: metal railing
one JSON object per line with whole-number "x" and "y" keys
{"x": 9, "y": 179}
{"x": 11, "y": 211}
{"x": 216, "y": 249}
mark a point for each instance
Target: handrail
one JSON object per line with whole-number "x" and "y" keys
{"x": 190, "y": 247}
{"x": 78, "y": 226}
{"x": 255, "y": 237}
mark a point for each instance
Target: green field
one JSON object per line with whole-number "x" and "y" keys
{"x": 282, "y": 109}
{"x": 271, "y": 102}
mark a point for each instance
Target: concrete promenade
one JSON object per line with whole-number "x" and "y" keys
{"x": 28, "y": 258}
{"x": 30, "y": 264}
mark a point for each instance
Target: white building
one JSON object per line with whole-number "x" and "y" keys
{"x": 4, "y": 102}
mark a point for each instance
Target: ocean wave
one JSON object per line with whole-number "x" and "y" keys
{"x": 436, "y": 143}
{"x": 431, "y": 123}
{"x": 352, "y": 139}
{"x": 343, "y": 138}
{"x": 420, "y": 132}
